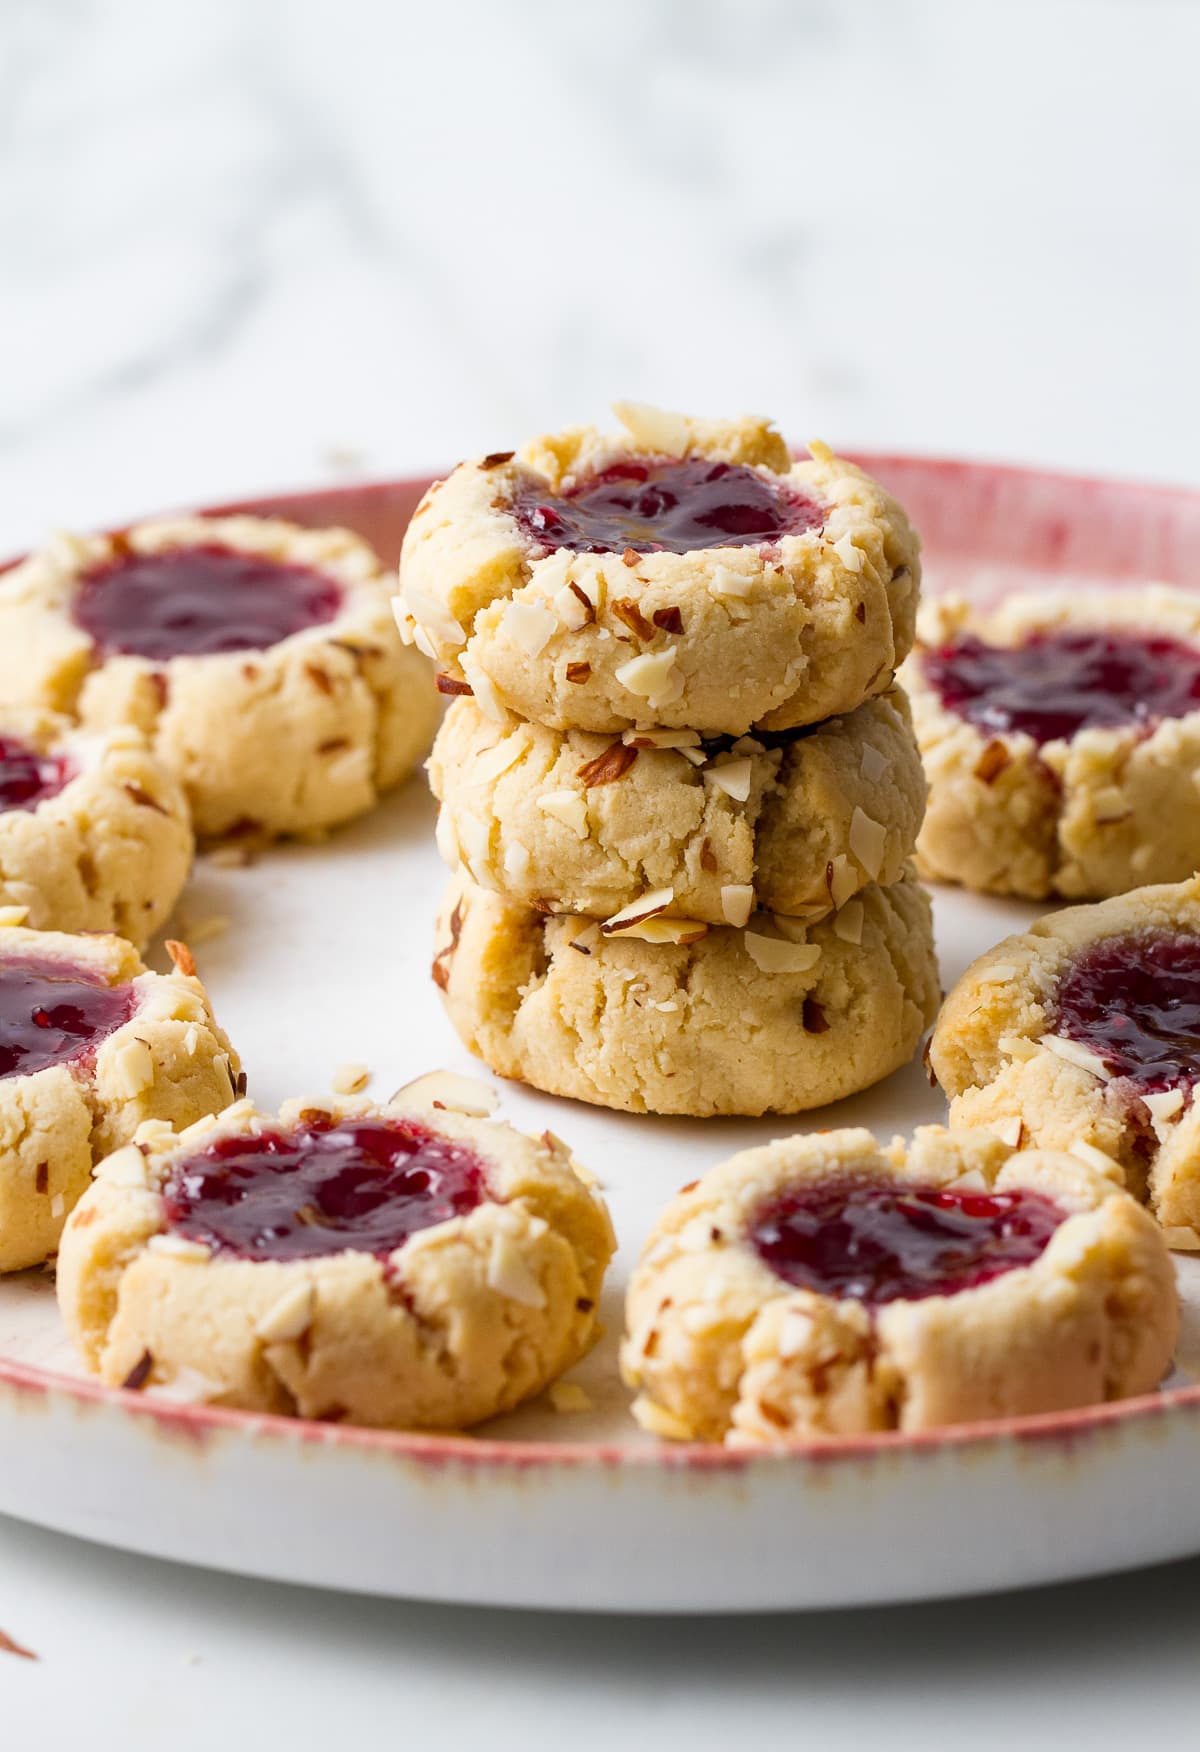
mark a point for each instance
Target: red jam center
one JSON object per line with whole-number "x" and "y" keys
{"x": 663, "y": 506}
{"x": 51, "y": 1013}
{"x": 1058, "y": 683}
{"x": 367, "y": 1185}
{"x": 885, "y": 1241}
{"x": 200, "y": 601}
{"x": 1135, "y": 1002}
{"x": 28, "y": 778}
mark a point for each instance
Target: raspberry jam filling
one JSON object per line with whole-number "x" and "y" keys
{"x": 1135, "y": 1002}
{"x": 1057, "y": 683}
{"x": 883, "y": 1241}
{"x": 51, "y": 1013}
{"x": 199, "y": 602}
{"x": 365, "y": 1184}
{"x": 28, "y": 778}
{"x": 664, "y": 506}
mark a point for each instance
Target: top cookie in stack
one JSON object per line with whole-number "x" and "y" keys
{"x": 681, "y": 754}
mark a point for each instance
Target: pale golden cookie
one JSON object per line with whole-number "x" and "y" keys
{"x": 779, "y": 1017}
{"x": 91, "y": 1046}
{"x": 788, "y": 1295}
{"x": 1085, "y": 815}
{"x": 459, "y": 1276}
{"x": 95, "y": 833}
{"x": 1012, "y": 1051}
{"x": 287, "y": 737}
{"x": 574, "y": 822}
{"x": 779, "y": 631}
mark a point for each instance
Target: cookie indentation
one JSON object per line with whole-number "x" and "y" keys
{"x": 52, "y": 1013}
{"x": 1058, "y": 682}
{"x": 200, "y": 601}
{"x": 322, "y": 1188}
{"x": 1134, "y": 1000}
{"x": 663, "y": 506}
{"x": 880, "y": 1241}
{"x": 28, "y": 778}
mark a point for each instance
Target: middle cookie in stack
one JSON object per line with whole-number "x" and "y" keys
{"x": 682, "y": 870}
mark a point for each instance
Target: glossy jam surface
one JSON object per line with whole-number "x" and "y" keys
{"x": 1058, "y": 683}
{"x": 200, "y": 601}
{"x": 884, "y": 1241}
{"x": 666, "y": 506}
{"x": 51, "y": 1013}
{"x": 1135, "y": 1002}
{"x": 365, "y": 1184}
{"x": 28, "y": 778}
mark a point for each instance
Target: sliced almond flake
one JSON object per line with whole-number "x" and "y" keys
{"x": 697, "y": 756}
{"x": 796, "y": 1331}
{"x": 732, "y": 777}
{"x": 1075, "y": 1054}
{"x": 1017, "y": 1046}
{"x": 350, "y": 1079}
{"x": 654, "y": 428}
{"x": 775, "y": 955}
{"x": 491, "y": 762}
{"x": 290, "y": 1317}
{"x": 58, "y": 1205}
{"x": 450, "y": 1092}
{"x": 589, "y": 938}
{"x": 843, "y": 883}
{"x": 874, "y": 765}
{"x": 652, "y": 676}
{"x": 573, "y": 613}
{"x": 848, "y": 922}
{"x": 191, "y": 1039}
{"x": 431, "y": 615}
{"x": 179, "y": 1247}
{"x": 868, "y": 842}
{"x": 1097, "y": 1159}
{"x": 474, "y": 837}
{"x": 569, "y": 1396}
{"x": 973, "y": 1180}
{"x": 1009, "y": 1131}
{"x": 1164, "y": 1106}
{"x": 661, "y": 738}
{"x": 727, "y": 582}
{"x": 517, "y": 861}
{"x": 737, "y": 902}
{"x": 657, "y": 901}
{"x": 661, "y": 929}
{"x": 133, "y": 1068}
{"x": 416, "y": 635}
{"x": 569, "y": 807}
{"x": 658, "y": 1421}
{"x": 125, "y": 1167}
{"x": 998, "y": 974}
{"x": 529, "y": 625}
{"x": 484, "y": 689}
{"x": 13, "y": 915}
{"x": 1180, "y": 1239}
{"x": 508, "y": 1273}
{"x": 851, "y": 557}
{"x": 667, "y": 1005}
{"x": 186, "y": 1387}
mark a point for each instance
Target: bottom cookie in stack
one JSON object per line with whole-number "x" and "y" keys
{"x": 654, "y": 1014}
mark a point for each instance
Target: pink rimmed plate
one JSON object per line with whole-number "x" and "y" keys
{"x": 325, "y": 960}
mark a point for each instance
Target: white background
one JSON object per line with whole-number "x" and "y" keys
{"x": 260, "y": 243}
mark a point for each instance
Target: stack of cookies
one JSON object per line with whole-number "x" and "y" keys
{"x": 680, "y": 790}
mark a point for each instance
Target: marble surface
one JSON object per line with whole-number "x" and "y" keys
{"x": 256, "y": 243}
{"x": 259, "y": 243}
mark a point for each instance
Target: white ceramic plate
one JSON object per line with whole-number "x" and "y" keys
{"x": 325, "y": 959}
